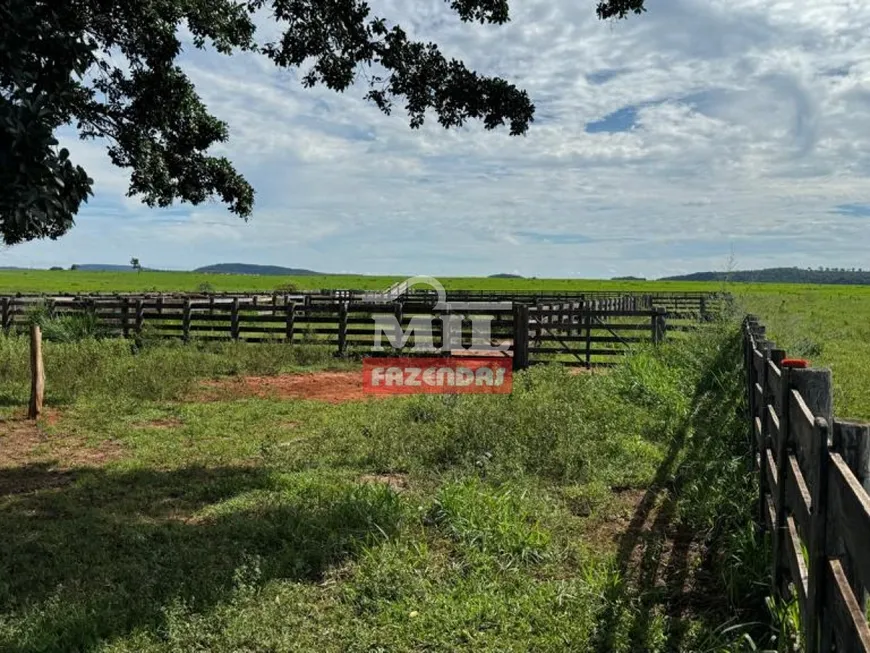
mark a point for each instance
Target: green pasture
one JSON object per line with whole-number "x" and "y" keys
{"x": 830, "y": 325}
{"x": 67, "y": 281}
{"x": 591, "y": 512}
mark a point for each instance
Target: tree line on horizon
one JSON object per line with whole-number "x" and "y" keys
{"x": 819, "y": 275}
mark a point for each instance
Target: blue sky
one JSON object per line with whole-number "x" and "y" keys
{"x": 702, "y": 134}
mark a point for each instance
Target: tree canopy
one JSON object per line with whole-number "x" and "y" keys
{"x": 109, "y": 68}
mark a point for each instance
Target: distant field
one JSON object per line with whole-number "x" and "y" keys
{"x": 830, "y": 325}
{"x": 36, "y": 281}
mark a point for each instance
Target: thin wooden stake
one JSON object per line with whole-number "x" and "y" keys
{"x": 37, "y": 373}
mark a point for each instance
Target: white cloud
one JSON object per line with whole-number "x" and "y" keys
{"x": 751, "y": 124}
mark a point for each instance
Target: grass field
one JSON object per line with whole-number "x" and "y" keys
{"x": 829, "y": 325}
{"x": 583, "y": 512}
{"x": 38, "y": 281}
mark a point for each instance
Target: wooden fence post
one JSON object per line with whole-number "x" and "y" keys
{"x": 234, "y": 319}
{"x": 290, "y": 308}
{"x": 140, "y": 319}
{"x": 816, "y": 613}
{"x": 5, "y": 321}
{"x": 657, "y": 325}
{"x": 185, "y": 320}
{"x": 37, "y": 373}
{"x": 663, "y": 324}
{"x": 399, "y": 313}
{"x": 342, "y": 328}
{"x": 852, "y": 442}
{"x": 765, "y": 434}
{"x": 816, "y": 389}
{"x": 588, "y": 320}
{"x": 521, "y": 337}
{"x": 781, "y": 481}
{"x": 125, "y": 309}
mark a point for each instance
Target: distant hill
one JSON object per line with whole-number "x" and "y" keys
{"x": 505, "y": 275}
{"x": 782, "y": 275}
{"x": 629, "y": 278}
{"x": 249, "y": 268}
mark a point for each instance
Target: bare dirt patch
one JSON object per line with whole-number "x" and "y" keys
{"x": 330, "y": 387}
{"x": 26, "y": 447}
{"x": 398, "y": 482}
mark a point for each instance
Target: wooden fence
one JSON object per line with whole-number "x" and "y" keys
{"x": 814, "y": 473}
{"x": 678, "y": 304}
{"x": 587, "y": 332}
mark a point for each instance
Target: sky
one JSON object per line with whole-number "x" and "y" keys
{"x": 703, "y": 135}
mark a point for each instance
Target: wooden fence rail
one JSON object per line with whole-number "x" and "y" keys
{"x": 689, "y": 304}
{"x": 814, "y": 479}
{"x": 582, "y": 332}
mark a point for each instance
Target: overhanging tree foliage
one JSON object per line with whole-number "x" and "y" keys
{"x": 109, "y": 68}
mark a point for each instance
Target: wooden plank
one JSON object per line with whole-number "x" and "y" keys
{"x": 774, "y": 379}
{"x": 583, "y": 339}
{"x": 266, "y": 319}
{"x": 849, "y": 623}
{"x": 770, "y": 470}
{"x": 204, "y": 317}
{"x": 798, "y": 498}
{"x": 560, "y": 350}
{"x": 801, "y": 432}
{"x": 758, "y": 362}
{"x": 796, "y": 564}
{"x": 770, "y": 513}
{"x": 850, "y": 507}
{"x": 773, "y": 425}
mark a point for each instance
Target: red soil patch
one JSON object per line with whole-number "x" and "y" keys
{"x": 32, "y": 459}
{"x": 331, "y": 387}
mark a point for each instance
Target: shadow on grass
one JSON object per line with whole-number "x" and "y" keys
{"x": 672, "y": 554}
{"x": 90, "y": 554}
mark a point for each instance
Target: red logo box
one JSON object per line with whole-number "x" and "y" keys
{"x": 417, "y": 375}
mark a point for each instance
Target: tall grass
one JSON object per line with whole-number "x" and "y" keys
{"x": 78, "y": 367}
{"x": 607, "y": 512}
